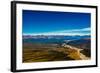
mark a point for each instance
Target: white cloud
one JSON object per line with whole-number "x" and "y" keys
{"x": 86, "y": 29}
{"x": 73, "y": 32}
{"x": 76, "y": 30}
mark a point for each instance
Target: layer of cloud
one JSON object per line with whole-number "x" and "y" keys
{"x": 75, "y": 30}
{"x": 72, "y": 32}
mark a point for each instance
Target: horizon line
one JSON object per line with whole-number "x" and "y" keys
{"x": 57, "y": 34}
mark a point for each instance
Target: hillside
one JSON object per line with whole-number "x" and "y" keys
{"x": 40, "y": 53}
{"x": 84, "y": 44}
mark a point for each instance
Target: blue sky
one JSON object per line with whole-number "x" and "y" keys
{"x": 55, "y": 23}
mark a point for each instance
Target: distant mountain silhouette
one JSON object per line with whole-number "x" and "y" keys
{"x": 65, "y": 37}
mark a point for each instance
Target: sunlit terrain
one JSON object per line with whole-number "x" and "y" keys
{"x": 43, "y": 49}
